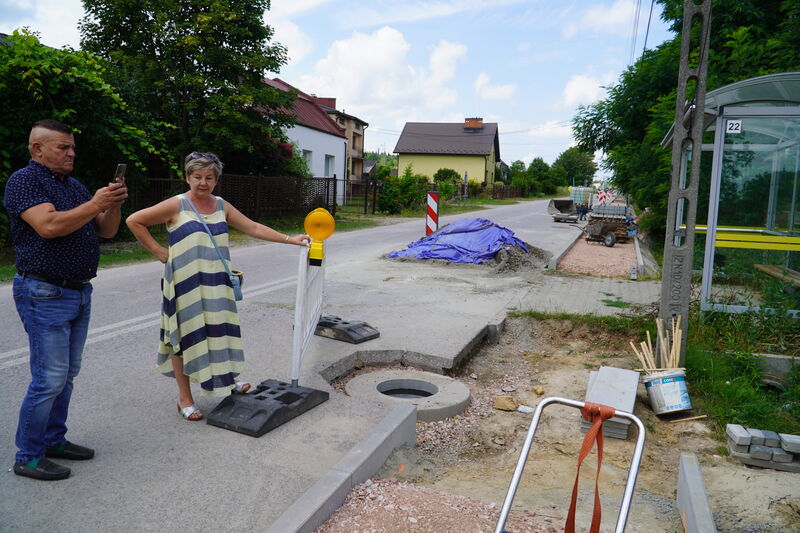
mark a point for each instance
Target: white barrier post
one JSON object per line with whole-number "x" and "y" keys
{"x": 307, "y": 308}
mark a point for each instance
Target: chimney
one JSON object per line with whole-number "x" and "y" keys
{"x": 473, "y": 123}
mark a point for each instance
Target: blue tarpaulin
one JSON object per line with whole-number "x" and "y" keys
{"x": 471, "y": 240}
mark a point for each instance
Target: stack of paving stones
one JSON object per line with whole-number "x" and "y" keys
{"x": 615, "y": 387}
{"x": 764, "y": 448}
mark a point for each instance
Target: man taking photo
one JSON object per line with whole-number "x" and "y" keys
{"x": 55, "y": 223}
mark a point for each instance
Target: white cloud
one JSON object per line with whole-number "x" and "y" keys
{"x": 487, "y": 91}
{"x": 56, "y": 21}
{"x": 289, "y": 34}
{"x": 582, "y": 89}
{"x": 371, "y": 77}
{"x": 616, "y": 19}
{"x": 285, "y": 8}
{"x": 401, "y": 12}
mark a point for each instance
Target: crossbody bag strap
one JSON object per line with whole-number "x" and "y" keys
{"x": 213, "y": 240}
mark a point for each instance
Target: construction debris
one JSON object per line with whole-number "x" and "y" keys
{"x": 669, "y": 347}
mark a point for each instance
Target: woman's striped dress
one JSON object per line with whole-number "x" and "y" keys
{"x": 198, "y": 314}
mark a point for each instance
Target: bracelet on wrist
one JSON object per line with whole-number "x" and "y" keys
{"x": 287, "y": 239}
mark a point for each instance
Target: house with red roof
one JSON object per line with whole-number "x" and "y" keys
{"x": 322, "y": 143}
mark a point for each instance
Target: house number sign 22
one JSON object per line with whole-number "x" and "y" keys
{"x": 733, "y": 127}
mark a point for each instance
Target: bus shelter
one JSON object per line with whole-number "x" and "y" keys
{"x": 748, "y": 196}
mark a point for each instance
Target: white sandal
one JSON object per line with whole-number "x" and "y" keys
{"x": 240, "y": 387}
{"x": 189, "y": 412}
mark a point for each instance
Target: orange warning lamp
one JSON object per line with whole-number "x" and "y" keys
{"x": 319, "y": 225}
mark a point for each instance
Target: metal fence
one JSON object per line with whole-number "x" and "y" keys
{"x": 501, "y": 193}
{"x": 363, "y": 195}
{"x": 258, "y": 197}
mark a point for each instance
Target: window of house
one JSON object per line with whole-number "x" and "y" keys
{"x": 307, "y": 157}
{"x": 330, "y": 161}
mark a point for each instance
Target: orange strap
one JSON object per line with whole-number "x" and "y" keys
{"x": 595, "y": 413}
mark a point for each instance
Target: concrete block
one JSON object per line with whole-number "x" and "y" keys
{"x": 781, "y": 456}
{"x": 794, "y": 466}
{"x": 737, "y": 434}
{"x": 790, "y": 443}
{"x": 311, "y": 510}
{"x": 692, "y": 497}
{"x": 760, "y": 452}
{"x": 771, "y": 438}
{"x": 738, "y": 448}
{"x": 398, "y": 428}
{"x": 756, "y": 436}
{"x": 315, "y": 505}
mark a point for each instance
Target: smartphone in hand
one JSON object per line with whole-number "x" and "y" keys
{"x": 119, "y": 175}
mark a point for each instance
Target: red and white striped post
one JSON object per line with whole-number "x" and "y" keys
{"x": 432, "y": 218}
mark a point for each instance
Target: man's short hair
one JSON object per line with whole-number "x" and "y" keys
{"x": 52, "y": 125}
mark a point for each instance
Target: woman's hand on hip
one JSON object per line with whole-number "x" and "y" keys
{"x": 162, "y": 254}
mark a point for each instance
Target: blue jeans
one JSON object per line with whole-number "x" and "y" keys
{"x": 57, "y": 322}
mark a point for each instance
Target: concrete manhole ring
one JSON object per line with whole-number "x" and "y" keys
{"x": 436, "y": 397}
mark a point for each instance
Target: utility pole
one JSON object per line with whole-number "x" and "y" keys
{"x": 676, "y": 279}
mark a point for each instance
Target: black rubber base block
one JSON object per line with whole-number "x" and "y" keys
{"x": 270, "y": 405}
{"x": 334, "y": 327}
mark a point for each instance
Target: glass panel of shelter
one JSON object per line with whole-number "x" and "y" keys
{"x": 754, "y": 215}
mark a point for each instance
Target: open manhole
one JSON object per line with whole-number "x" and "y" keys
{"x": 407, "y": 388}
{"x": 435, "y": 396}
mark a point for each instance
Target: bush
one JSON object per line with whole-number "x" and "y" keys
{"x": 446, "y": 180}
{"x": 474, "y": 188}
{"x": 408, "y": 191}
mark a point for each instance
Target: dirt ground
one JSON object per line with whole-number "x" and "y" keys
{"x": 457, "y": 475}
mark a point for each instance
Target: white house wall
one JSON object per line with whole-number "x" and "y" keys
{"x": 320, "y": 145}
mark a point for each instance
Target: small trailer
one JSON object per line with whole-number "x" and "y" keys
{"x": 562, "y": 210}
{"x": 609, "y": 224}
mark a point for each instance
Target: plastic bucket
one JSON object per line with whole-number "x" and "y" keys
{"x": 667, "y": 391}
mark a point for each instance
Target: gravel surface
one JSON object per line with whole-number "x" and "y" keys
{"x": 387, "y": 505}
{"x": 596, "y": 259}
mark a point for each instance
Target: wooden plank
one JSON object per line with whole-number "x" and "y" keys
{"x": 784, "y": 274}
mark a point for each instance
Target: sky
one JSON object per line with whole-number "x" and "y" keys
{"x": 525, "y": 64}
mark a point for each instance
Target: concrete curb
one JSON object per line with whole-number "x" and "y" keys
{"x": 553, "y": 264}
{"x": 692, "y": 497}
{"x": 311, "y": 510}
{"x": 639, "y": 258}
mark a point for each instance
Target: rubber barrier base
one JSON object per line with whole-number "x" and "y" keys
{"x": 335, "y": 328}
{"x": 270, "y": 405}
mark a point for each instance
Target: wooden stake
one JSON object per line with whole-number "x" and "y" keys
{"x": 687, "y": 419}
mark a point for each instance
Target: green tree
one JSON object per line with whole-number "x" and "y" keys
{"x": 538, "y": 171}
{"x": 39, "y": 82}
{"x": 517, "y": 177}
{"x": 748, "y": 38}
{"x": 578, "y": 164}
{"x": 556, "y": 177}
{"x": 198, "y": 65}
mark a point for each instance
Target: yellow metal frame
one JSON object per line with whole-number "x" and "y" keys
{"x": 752, "y": 238}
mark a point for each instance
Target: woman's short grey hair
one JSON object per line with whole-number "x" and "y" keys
{"x": 200, "y": 160}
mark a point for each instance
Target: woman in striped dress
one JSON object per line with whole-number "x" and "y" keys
{"x": 200, "y": 339}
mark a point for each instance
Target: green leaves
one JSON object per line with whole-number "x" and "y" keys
{"x": 196, "y": 64}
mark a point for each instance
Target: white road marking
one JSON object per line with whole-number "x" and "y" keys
{"x": 141, "y": 322}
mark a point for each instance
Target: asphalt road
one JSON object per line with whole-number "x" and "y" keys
{"x": 155, "y": 472}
